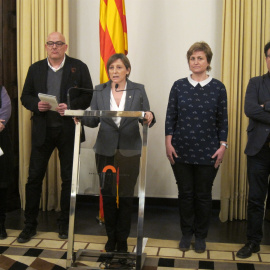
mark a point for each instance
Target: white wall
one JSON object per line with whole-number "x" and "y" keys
{"x": 159, "y": 34}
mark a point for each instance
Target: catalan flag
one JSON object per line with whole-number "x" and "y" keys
{"x": 112, "y": 32}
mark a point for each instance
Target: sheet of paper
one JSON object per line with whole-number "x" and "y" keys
{"x": 50, "y": 99}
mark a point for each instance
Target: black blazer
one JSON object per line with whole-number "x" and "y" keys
{"x": 126, "y": 137}
{"x": 75, "y": 73}
{"x": 258, "y": 93}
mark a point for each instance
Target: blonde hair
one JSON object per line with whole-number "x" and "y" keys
{"x": 204, "y": 47}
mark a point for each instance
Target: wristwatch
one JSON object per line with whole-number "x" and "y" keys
{"x": 224, "y": 144}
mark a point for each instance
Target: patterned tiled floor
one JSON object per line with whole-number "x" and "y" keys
{"x": 47, "y": 252}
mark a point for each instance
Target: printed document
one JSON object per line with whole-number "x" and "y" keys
{"x": 50, "y": 99}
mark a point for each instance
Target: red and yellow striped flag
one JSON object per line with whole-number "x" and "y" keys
{"x": 112, "y": 32}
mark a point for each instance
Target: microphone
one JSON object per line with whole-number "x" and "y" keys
{"x": 141, "y": 98}
{"x": 83, "y": 90}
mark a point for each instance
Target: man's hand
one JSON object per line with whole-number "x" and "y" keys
{"x": 2, "y": 126}
{"x": 44, "y": 106}
{"x": 61, "y": 108}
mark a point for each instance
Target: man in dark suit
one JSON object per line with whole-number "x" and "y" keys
{"x": 257, "y": 108}
{"x": 53, "y": 76}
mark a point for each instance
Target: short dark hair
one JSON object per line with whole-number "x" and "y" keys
{"x": 266, "y": 48}
{"x": 203, "y": 47}
{"x": 122, "y": 57}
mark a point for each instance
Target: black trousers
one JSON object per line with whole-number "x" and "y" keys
{"x": 63, "y": 140}
{"x": 118, "y": 220}
{"x": 194, "y": 197}
{"x": 258, "y": 169}
{"x": 3, "y": 204}
{"x": 6, "y": 160}
{"x": 6, "y": 173}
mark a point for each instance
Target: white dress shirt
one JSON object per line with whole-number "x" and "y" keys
{"x": 114, "y": 107}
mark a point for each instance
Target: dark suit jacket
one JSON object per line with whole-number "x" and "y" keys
{"x": 127, "y": 137}
{"x": 258, "y": 93}
{"x": 75, "y": 73}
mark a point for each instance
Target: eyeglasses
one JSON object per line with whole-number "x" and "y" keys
{"x": 57, "y": 43}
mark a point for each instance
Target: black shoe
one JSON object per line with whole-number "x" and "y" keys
{"x": 63, "y": 231}
{"x": 247, "y": 250}
{"x": 185, "y": 242}
{"x": 3, "y": 233}
{"x": 26, "y": 235}
{"x": 200, "y": 245}
{"x": 122, "y": 246}
{"x": 110, "y": 245}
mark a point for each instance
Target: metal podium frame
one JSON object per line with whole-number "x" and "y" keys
{"x": 75, "y": 181}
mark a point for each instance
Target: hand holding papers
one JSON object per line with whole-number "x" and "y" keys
{"x": 52, "y": 100}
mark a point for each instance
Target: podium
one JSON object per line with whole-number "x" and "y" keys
{"x": 137, "y": 257}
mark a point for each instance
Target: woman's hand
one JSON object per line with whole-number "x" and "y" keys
{"x": 170, "y": 151}
{"x": 2, "y": 126}
{"x": 148, "y": 117}
{"x": 76, "y": 120}
{"x": 219, "y": 155}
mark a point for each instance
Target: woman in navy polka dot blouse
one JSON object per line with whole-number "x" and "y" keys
{"x": 196, "y": 139}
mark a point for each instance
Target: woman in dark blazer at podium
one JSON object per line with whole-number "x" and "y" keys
{"x": 118, "y": 144}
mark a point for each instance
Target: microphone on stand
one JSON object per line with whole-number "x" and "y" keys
{"x": 141, "y": 98}
{"x": 83, "y": 90}
{"x": 70, "y": 94}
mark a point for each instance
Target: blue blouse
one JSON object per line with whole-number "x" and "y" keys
{"x": 197, "y": 119}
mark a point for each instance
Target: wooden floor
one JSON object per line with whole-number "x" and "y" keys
{"x": 161, "y": 222}
{"x": 161, "y": 230}
{"x": 47, "y": 252}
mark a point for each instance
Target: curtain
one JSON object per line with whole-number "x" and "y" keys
{"x": 35, "y": 20}
{"x": 246, "y": 27}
